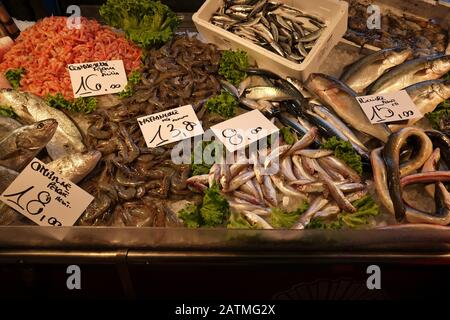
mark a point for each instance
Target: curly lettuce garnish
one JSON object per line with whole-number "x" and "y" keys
{"x": 343, "y": 150}
{"x": 81, "y": 105}
{"x": 366, "y": 210}
{"x": 14, "y": 76}
{"x": 232, "y": 66}
{"x": 280, "y": 218}
{"x": 223, "y": 104}
{"x": 8, "y": 112}
{"x": 145, "y": 22}
{"x": 133, "y": 80}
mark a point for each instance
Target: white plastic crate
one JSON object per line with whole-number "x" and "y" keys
{"x": 333, "y": 12}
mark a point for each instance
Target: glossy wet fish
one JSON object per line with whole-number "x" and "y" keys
{"x": 7, "y": 125}
{"x": 75, "y": 167}
{"x": 411, "y": 72}
{"x": 340, "y": 128}
{"x": 366, "y": 70}
{"x": 391, "y": 155}
{"x": 30, "y": 108}
{"x": 426, "y": 96}
{"x": 268, "y": 94}
{"x": 19, "y": 147}
{"x": 277, "y": 27}
{"x": 342, "y": 100}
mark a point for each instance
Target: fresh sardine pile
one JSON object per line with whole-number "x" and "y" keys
{"x": 282, "y": 29}
{"x": 305, "y": 173}
{"x": 135, "y": 185}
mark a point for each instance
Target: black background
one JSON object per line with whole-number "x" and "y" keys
{"x": 32, "y": 10}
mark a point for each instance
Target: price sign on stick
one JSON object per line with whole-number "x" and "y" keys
{"x": 45, "y": 197}
{"x": 97, "y": 78}
{"x": 389, "y": 107}
{"x": 170, "y": 126}
{"x": 243, "y": 130}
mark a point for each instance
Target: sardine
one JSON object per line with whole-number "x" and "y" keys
{"x": 411, "y": 72}
{"x": 30, "y": 108}
{"x": 345, "y": 131}
{"x": 342, "y": 100}
{"x": 239, "y": 180}
{"x": 318, "y": 204}
{"x": 297, "y": 160}
{"x": 315, "y": 153}
{"x": 256, "y": 220}
{"x": 284, "y": 188}
{"x": 269, "y": 192}
{"x": 19, "y": 147}
{"x": 366, "y": 70}
{"x": 341, "y": 167}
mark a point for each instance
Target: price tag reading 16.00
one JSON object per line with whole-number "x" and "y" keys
{"x": 45, "y": 198}
{"x": 97, "y": 78}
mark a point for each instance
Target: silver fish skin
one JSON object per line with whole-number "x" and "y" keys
{"x": 361, "y": 74}
{"x": 30, "y": 108}
{"x": 253, "y": 81}
{"x": 268, "y": 94}
{"x": 342, "y": 100}
{"x": 256, "y": 220}
{"x": 75, "y": 167}
{"x": 328, "y": 116}
{"x": 7, "y": 125}
{"x": 426, "y": 96}
{"x": 20, "y": 147}
{"x": 411, "y": 72}
{"x": 318, "y": 204}
{"x": 269, "y": 192}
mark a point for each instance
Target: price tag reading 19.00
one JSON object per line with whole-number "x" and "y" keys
{"x": 243, "y": 130}
{"x": 170, "y": 126}
{"x": 44, "y": 197}
{"x": 389, "y": 107}
{"x": 97, "y": 78}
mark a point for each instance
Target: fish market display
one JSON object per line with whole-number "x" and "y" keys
{"x": 328, "y": 166}
{"x": 282, "y": 29}
{"x": 425, "y": 36}
{"x": 308, "y": 175}
{"x": 135, "y": 185}
{"x": 44, "y": 50}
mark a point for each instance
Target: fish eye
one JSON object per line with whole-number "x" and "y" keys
{"x": 40, "y": 125}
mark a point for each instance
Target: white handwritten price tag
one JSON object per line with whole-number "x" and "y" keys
{"x": 389, "y": 107}
{"x": 97, "y": 78}
{"x": 170, "y": 126}
{"x": 243, "y": 130}
{"x": 44, "y": 197}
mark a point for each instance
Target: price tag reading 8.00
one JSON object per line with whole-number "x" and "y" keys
{"x": 243, "y": 130}
{"x": 391, "y": 107}
{"x": 45, "y": 198}
{"x": 97, "y": 78}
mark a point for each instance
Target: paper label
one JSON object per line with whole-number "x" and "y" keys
{"x": 170, "y": 126}
{"x": 389, "y": 107}
{"x": 97, "y": 78}
{"x": 44, "y": 197}
{"x": 240, "y": 131}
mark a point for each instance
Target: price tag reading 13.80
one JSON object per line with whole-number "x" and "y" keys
{"x": 45, "y": 198}
{"x": 97, "y": 78}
